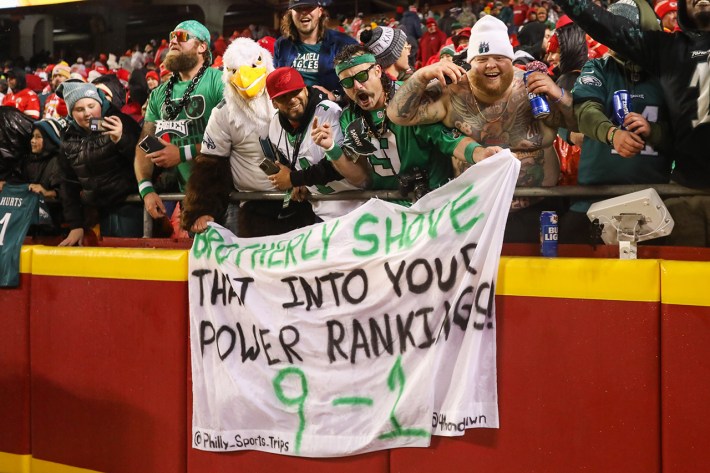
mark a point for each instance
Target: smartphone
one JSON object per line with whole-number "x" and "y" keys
{"x": 96, "y": 124}
{"x": 151, "y": 144}
{"x": 459, "y": 60}
{"x": 268, "y": 148}
{"x": 269, "y": 167}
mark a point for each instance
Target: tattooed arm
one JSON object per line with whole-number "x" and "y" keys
{"x": 418, "y": 102}
{"x": 560, "y": 101}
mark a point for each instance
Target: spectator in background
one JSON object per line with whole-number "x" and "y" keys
{"x": 178, "y": 110}
{"x": 137, "y": 96}
{"x": 520, "y": 14}
{"x": 219, "y": 46}
{"x": 20, "y": 96}
{"x": 152, "y": 80}
{"x": 505, "y": 14}
{"x": 447, "y": 21}
{"x": 431, "y": 41}
{"x": 309, "y": 47}
{"x": 638, "y": 153}
{"x": 569, "y": 45}
{"x": 54, "y": 107}
{"x": 461, "y": 38}
{"x": 97, "y": 166}
{"x": 412, "y": 27}
{"x": 667, "y": 11}
{"x": 390, "y": 47}
{"x": 532, "y": 34}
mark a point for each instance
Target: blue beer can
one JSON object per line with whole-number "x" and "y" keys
{"x": 622, "y": 106}
{"x": 548, "y": 233}
{"x": 538, "y": 102}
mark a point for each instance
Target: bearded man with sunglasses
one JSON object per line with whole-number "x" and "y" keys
{"x": 307, "y": 45}
{"x": 394, "y": 152}
{"x": 178, "y": 111}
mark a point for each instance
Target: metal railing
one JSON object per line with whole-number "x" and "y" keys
{"x": 664, "y": 190}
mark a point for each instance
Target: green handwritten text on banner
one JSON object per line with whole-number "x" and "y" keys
{"x": 372, "y": 331}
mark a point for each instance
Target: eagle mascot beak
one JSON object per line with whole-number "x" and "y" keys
{"x": 249, "y": 81}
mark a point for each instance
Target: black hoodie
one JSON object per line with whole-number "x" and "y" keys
{"x": 682, "y": 63}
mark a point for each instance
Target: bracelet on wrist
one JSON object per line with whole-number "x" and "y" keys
{"x": 563, "y": 94}
{"x": 610, "y": 135}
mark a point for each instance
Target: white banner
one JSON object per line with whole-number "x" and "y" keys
{"x": 372, "y": 331}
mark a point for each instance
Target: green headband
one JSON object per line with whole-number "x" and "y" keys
{"x": 357, "y": 60}
{"x": 196, "y": 29}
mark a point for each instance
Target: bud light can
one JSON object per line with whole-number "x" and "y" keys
{"x": 622, "y": 106}
{"x": 538, "y": 102}
{"x": 548, "y": 234}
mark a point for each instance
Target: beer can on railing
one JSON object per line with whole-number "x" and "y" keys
{"x": 548, "y": 233}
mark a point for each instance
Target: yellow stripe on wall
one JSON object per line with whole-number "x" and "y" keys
{"x": 41, "y": 466}
{"x": 111, "y": 263}
{"x": 578, "y": 278}
{"x": 26, "y": 260}
{"x": 685, "y": 283}
{"x": 12, "y": 463}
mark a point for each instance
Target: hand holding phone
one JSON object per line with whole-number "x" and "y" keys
{"x": 269, "y": 167}
{"x": 151, "y": 144}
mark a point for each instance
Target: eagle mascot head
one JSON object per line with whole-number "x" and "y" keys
{"x": 246, "y": 65}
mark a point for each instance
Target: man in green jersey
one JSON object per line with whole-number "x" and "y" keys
{"x": 394, "y": 152}
{"x": 178, "y": 110}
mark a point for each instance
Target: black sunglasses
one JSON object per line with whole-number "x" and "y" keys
{"x": 361, "y": 77}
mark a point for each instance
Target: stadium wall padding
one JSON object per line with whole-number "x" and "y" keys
{"x": 602, "y": 366}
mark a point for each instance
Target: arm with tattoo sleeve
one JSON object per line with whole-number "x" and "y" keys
{"x": 417, "y": 103}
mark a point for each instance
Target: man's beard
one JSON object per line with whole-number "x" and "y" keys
{"x": 496, "y": 92}
{"x": 181, "y": 62}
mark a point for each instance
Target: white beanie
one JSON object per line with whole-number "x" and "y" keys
{"x": 489, "y": 36}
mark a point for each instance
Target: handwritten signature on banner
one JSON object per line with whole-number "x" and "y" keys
{"x": 373, "y": 331}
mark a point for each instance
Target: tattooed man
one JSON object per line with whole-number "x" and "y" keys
{"x": 490, "y": 104}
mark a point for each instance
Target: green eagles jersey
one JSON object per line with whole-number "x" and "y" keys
{"x": 189, "y": 126}
{"x": 19, "y": 208}
{"x": 400, "y": 149}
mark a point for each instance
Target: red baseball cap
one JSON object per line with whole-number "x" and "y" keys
{"x": 664, "y": 7}
{"x": 282, "y": 81}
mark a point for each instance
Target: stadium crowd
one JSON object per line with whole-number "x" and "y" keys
{"x": 350, "y": 103}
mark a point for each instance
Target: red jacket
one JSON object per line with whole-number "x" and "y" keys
{"x": 25, "y": 101}
{"x": 430, "y": 44}
{"x": 54, "y": 107}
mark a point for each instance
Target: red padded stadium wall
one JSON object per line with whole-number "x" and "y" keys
{"x": 108, "y": 365}
{"x": 685, "y": 355}
{"x": 15, "y": 365}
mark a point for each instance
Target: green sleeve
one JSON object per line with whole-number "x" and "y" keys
{"x": 592, "y": 120}
{"x": 441, "y": 137}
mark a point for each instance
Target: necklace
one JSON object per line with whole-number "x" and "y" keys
{"x": 372, "y": 130}
{"x": 475, "y": 102}
{"x": 172, "y": 111}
